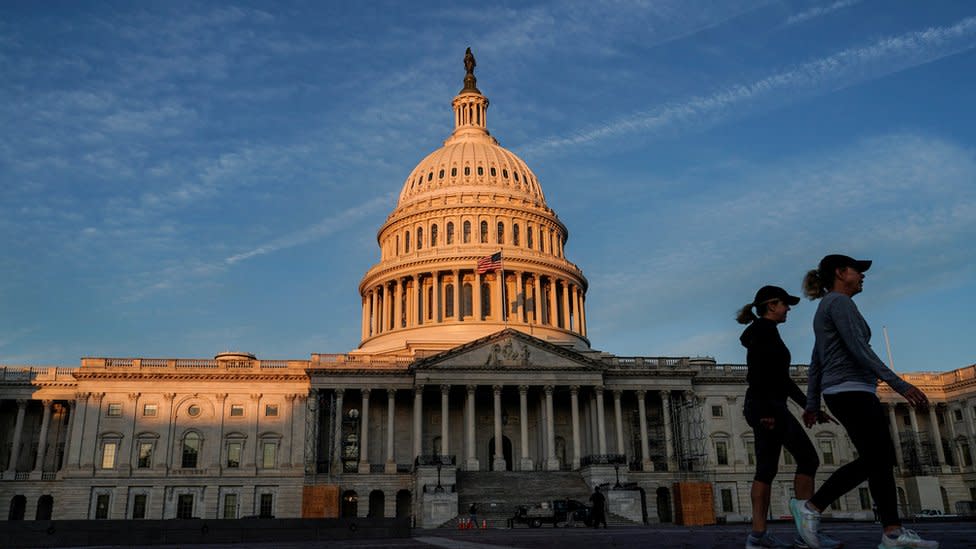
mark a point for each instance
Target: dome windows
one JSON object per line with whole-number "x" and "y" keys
{"x": 515, "y": 234}
{"x": 483, "y": 234}
{"x": 406, "y": 243}
{"x": 433, "y": 235}
{"x": 466, "y": 232}
{"x": 450, "y": 233}
{"x": 453, "y": 172}
{"x": 420, "y": 238}
{"x": 440, "y": 174}
{"x": 516, "y": 175}
{"x": 467, "y": 170}
{"x": 481, "y": 171}
{"x": 504, "y": 173}
{"x": 431, "y": 176}
{"x": 500, "y": 236}
{"x": 528, "y": 236}
{"x": 492, "y": 171}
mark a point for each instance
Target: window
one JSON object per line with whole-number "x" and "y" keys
{"x": 528, "y": 236}
{"x": 449, "y": 300}
{"x": 271, "y": 410}
{"x": 717, "y": 411}
{"x": 184, "y": 506}
{"x": 193, "y": 410}
{"x": 483, "y": 235}
{"x": 433, "y": 235}
{"x": 481, "y": 171}
{"x": 501, "y": 233}
{"x": 827, "y": 449}
{"x": 864, "y": 495}
{"x": 727, "y": 503}
{"x": 109, "y": 450}
{"x": 145, "y": 455}
{"x": 114, "y": 409}
{"x": 234, "y": 455}
{"x": 453, "y": 172}
{"x": 139, "y": 506}
{"x": 466, "y": 232}
{"x": 516, "y": 175}
{"x": 466, "y": 300}
{"x": 906, "y": 420}
{"x": 450, "y": 232}
{"x": 420, "y": 238}
{"x": 397, "y": 244}
{"x": 440, "y": 174}
{"x": 485, "y": 299}
{"x": 101, "y": 506}
{"x": 150, "y": 410}
{"x": 236, "y": 410}
{"x": 722, "y": 452}
{"x": 541, "y": 240}
{"x": 191, "y": 450}
{"x": 430, "y": 175}
{"x": 957, "y": 413}
{"x": 967, "y": 456}
{"x": 467, "y": 170}
{"x": 267, "y": 506}
{"x": 230, "y": 506}
{"x": 492, "y": 171}
{"x": 751, "y": 451}
{"x": 268, "y": 454}
{"x": 406, "y": 243}
{"x": 515, "y": 235}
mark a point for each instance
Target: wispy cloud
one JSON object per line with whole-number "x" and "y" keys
{"x": 843, "y": 69}
{"x": 819, "y": 11}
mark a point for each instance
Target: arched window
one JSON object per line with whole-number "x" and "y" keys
{"x": 505, "y": 173}
{"x": 492, "y": 171}
{"x": 516, "y": 175}
{"x": 404, "y": 504}
{"x": 481, "y": 171}
{"x": 349, "y": 507}
{"x": 440, "y": 174}
{"x": 433, "y": 235}
{"x": 376, "y": 504}
{"x": 450, "y": 232}
{"x": 191, "y": 450}
{"x": 406, "y": 243}
{"x": 500, "y": 233}
{"x": 467, "y": 170}
{"x": 466, "y": 232}
{"x": 420, "y": 238}
{"x": 484, "y": 232}
{"x": 431, "y": 176}
{"x": 453, "y": 172}
{"x": 466, "y": 307}
{"x": 542, "y": 240}
{"x": 485, "y": 300}
{"x": 397, "y": 244}
{"x": 528, "y": 236}
{"x": 18, "y": 507}
{"x": 449, "y": 300}
{"x": 515, "y": 234}
{"x": 45, "y": 505}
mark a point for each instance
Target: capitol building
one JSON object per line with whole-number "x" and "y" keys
{"x": 474, "y": 381}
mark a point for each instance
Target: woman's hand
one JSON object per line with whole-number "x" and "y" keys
{"x": 810, "y": 418}
{"x": 768, "y": 423}
{"x": 916, "y": 398}
{"x": 824, "y": 417}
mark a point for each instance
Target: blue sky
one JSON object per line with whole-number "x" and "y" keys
{"x": 183, "y": 178}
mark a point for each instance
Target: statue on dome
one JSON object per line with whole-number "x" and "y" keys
{"x": 470, "y": 82}
{"x": 469, "y": 62}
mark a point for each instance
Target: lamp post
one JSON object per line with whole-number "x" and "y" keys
{"x": 439, "y": 489}
{"x": 616, "y": 471}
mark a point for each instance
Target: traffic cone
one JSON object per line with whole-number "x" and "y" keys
{"x": 484, "y": 524}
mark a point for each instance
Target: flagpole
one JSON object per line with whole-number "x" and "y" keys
{"x": 501, "y": 263}
{"x": 891, "y": 363}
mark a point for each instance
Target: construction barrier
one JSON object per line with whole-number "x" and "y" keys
{"x": 693, "y": 503}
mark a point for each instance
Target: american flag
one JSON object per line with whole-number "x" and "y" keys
{"x": 489, "y": 263}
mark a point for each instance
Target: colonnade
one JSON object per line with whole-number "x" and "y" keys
{"x": 960, "y": 444}
{"x": 588, "y": 426}
{"x": 464, "y": 295}
{"x": 49, "y": 407}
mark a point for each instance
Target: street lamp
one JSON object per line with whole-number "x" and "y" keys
{"x": 439, "y": 489}
{"x": 616, "y": 471}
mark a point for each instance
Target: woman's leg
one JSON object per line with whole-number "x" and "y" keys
{"x": 769, "y": 444}
{"x": 797, "y": 443}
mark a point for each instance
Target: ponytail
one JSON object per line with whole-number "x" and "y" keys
{"x": 745, "y": 314}
{"x": 813, "y": 285}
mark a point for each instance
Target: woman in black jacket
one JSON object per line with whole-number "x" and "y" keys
{"x": 765, "y": 409}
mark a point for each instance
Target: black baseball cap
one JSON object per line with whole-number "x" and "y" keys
{"x": 838, "y": 261}
{"x": 770, "y": 293}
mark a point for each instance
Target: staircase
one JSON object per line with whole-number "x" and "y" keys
{"x": 498, "y": 493}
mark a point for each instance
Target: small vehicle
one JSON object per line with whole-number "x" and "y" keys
{"x": 561, "y": 511}
{"x": 932, "y": 513}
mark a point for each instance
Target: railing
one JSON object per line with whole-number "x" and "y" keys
{"x": 188, "y": 364}
{"x": 603, "y": 459}
{"x": 49, "y": 476}
{"x": 320, "y": 360}
{"x": 27, "y": 374}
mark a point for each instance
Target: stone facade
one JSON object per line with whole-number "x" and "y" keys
{"x": 466, "y": 365}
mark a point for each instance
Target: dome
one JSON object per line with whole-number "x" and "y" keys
{"x": 470, "y": 249}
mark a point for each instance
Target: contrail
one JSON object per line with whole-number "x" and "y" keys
{"x": 840, "y": 70}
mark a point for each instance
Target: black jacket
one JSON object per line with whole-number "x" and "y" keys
{"x": 768, "y": 360}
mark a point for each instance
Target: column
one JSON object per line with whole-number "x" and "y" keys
{"x": 374, "y": 313}
{"x": 296, "y": 421}
{"x": 336, "y": 458}
{"x": 895, "y": 437}
{"x": 913, "y": 418}
{"x": 646, "y": 463}
{"x": 457, "y": 293}
{"x": 537, "y": 299}
{"x": 574, "y": 402}
{"x": 221, "y": 403}
{"x": 566, "y": 309}
{"x": 42, "y": 441}
{"x": 445, "y": 391}
{"x": 498, "y": 464}
{"x": 89, "y": 440}
{"x": 390, "y": 412}
{"x": 520, "y": 296}
{"x": 618, "y": 415}
{"x": 471, "y": 460}
{"x": 385, "y": 309}
{"x": 252, "y": 459}
{"x": 552, "y": 463}
{"x": 574, "y": 298}
{"x": 936, "y": 435}
{"x": 668, "y": 436}
{"x": 398, "y": 304}
{"x": 526, "y": 461}
{"x": 418, "y": 308}
{"x": 496, "y": 298}
{"x": 438, "y": 310}
{"x": 364, "y": 326}
{"x": 476, "y": 296}
{"x": 601, "y": 424}
{"x": 953, "y": 447}
{"x": 418, "y": 419}
{"x": 18, "y": 432}
{"x": 410, "y": 288}
{"x": 364, "y": 433}
{"x": 553, "y": 308}
{"x": 582, "y": 313}
{"x": 165, "y": 444}
{"x": 71, "y": 409}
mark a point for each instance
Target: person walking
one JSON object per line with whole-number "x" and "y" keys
{"x": 765, "y": 410}
{"x": 599, "y": 508}
{"x": 845, "y": 370}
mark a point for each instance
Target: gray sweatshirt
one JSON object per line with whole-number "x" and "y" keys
{"x": 842, "y": 351}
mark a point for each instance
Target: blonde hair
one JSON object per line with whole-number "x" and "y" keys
{"x": 813, "y": 285}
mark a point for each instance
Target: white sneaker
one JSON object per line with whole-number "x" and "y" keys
{"x": 908, "y": 539}
{"x": 807, "y": 522}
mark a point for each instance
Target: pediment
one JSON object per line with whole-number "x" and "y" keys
{"x": 507, "y": 350}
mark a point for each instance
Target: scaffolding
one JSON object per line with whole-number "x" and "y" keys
{"x": 688, "y": 433}
{"x": 320, "y": 447}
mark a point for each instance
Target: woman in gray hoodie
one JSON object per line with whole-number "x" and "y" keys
{"x": 846, "y": 371}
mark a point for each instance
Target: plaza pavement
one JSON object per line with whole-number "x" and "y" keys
{"x": 856, "y": 535}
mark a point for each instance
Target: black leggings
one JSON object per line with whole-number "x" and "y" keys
{"x": 864, "y": 418}
{"x": 786, "y": 432}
